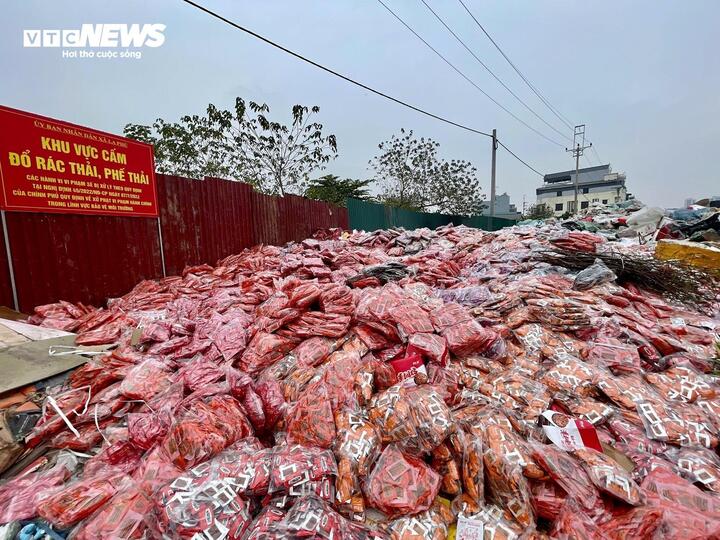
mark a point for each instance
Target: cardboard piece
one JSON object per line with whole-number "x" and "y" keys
{"x": 30, "y": 362}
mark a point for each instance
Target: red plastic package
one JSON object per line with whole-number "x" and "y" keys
{"x": 210, "y": 499}
{"x": 401, "y": 484}
{"x": 273, "y": 402}
{"x": 20, "y": 496}
{"x": 81, "y": 498}
{"x": 241, "y": 387}
{"x": 468, "y": 337}
{"x": 548, "y": 499}
{"x": 356, "y": 447}
{"x": 264, "y": 350}
{"x": 145, "y": 430}
{"x": 146, "y": 380}
{"x": 204, "y": 430}
{"x": 432, "y": 346}
{"x": 123, "y": 517}
{"x": 569, "y": 475}
{"x": 573, "y": 524}
{"x": 449, "y": 315}
{"x": 298, "y": 470}
{"x": 505, "y": 479}
{"x": 313, "y": 351}
{"x": 264, "y": 523}
{"x": 200, "y": 372}
{"x": 609, "y": 477}
{"x": 311, "y": 421}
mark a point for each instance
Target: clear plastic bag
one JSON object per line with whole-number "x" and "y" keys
{"x": 401, "y": 484}
{"x": 596, "y": 274}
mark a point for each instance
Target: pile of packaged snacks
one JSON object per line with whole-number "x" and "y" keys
{"x": 382, "y": 385}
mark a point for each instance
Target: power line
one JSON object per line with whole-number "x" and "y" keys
{"x": 513, "y": 154}
{"x": 468, "y": 79}
{"x": 468, "y": 49}
{"x": 352, "y": 81}
{"x": 596, "y": 154}
{"x": 535, "y": 90}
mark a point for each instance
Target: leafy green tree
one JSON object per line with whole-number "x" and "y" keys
{"x": 241, "y": 144}
{"x": 413, "y": 176}
{"x": 331, "y": 188}
{"x": 539, "y": 211}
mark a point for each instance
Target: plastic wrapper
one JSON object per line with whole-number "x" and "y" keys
{"x": 609, "y": 477}
{"x": 505, "y": 479}
{"x": 449, "y": 315}
{"x": 263, "y": 350}
{"x": 683, "y": 384}
{"x": 264, "y": 523}
{"x": 273, "y": 401}
{"x": 210, "y": 499}
{"x": 570, "y": 476}
{"x": 506, "y": 443}
{"x": 204, "y": 430}
{"x": 676, "y": 426}
{"x": 613, "y": 354}
{"x": 667, "y": 490}
{"x": 298, "y": 470}
{"x": 356, "y": 447}
{"x": 548, "y": 499}
{"x": 699, "y": 465}
{"x": 431, "y": 524}
{"x": 401, "y": 484}
{"x": 472, "y": 472}
{"x": 313, "y": 517}
{"x": 20, "y": 496}
{"x": 468, "y": 337}
{"x": 81, "y": 498}
{"x": 573, "y": 524}
{"x": 313, "y": 351}
{"x": 497, "y": 524}
{"x": 596, "y": 274}
{"x": 200, "y": 372}
{"x": 241, "y": 387}
{"x": 146, "y": 379}
{"x": 432, "y": 346}
{"x": 311, "y": 421}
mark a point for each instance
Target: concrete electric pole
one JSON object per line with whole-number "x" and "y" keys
{"x": 492, "y": 173}
{"x": 577, "y": 150}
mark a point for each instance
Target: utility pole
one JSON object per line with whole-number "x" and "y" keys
{"x": 492, "y": 173}
{"x": 577, "y": 150}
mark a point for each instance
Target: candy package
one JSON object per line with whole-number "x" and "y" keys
{"x": 81, "y": 498}
{"x": 505, "y": 479}
{"x": 298, "y": 470}
{"x": 609, "y": 477}
{"x": 401, "y": 484}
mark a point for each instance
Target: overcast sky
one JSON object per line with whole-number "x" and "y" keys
{"x": 643, "y": 76}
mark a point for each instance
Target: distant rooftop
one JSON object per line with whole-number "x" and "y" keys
{"x": 566, "y": 176}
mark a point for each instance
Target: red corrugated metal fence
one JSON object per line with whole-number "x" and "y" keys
{"x": 92, "y": 258}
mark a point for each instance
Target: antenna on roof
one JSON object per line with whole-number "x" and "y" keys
{"x": 577, "y": 151}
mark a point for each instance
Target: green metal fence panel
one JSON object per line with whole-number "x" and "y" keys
{"x": 364, "y": 215}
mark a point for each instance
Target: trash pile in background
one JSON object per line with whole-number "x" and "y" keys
{"x": 393, "y": 384}
{"x": 633, "y": 222}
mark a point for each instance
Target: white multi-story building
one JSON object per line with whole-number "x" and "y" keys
{"x": 595, "y": 185}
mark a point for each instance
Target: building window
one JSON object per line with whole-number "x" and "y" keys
{"x": 604, "y": 201}
{"x": 596, "y": 200}
{"x": 584, "y": 204}
{"x": 559, "y": 207}
{"x": 559, "y": 193}
{"x": 586, "y": 190}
